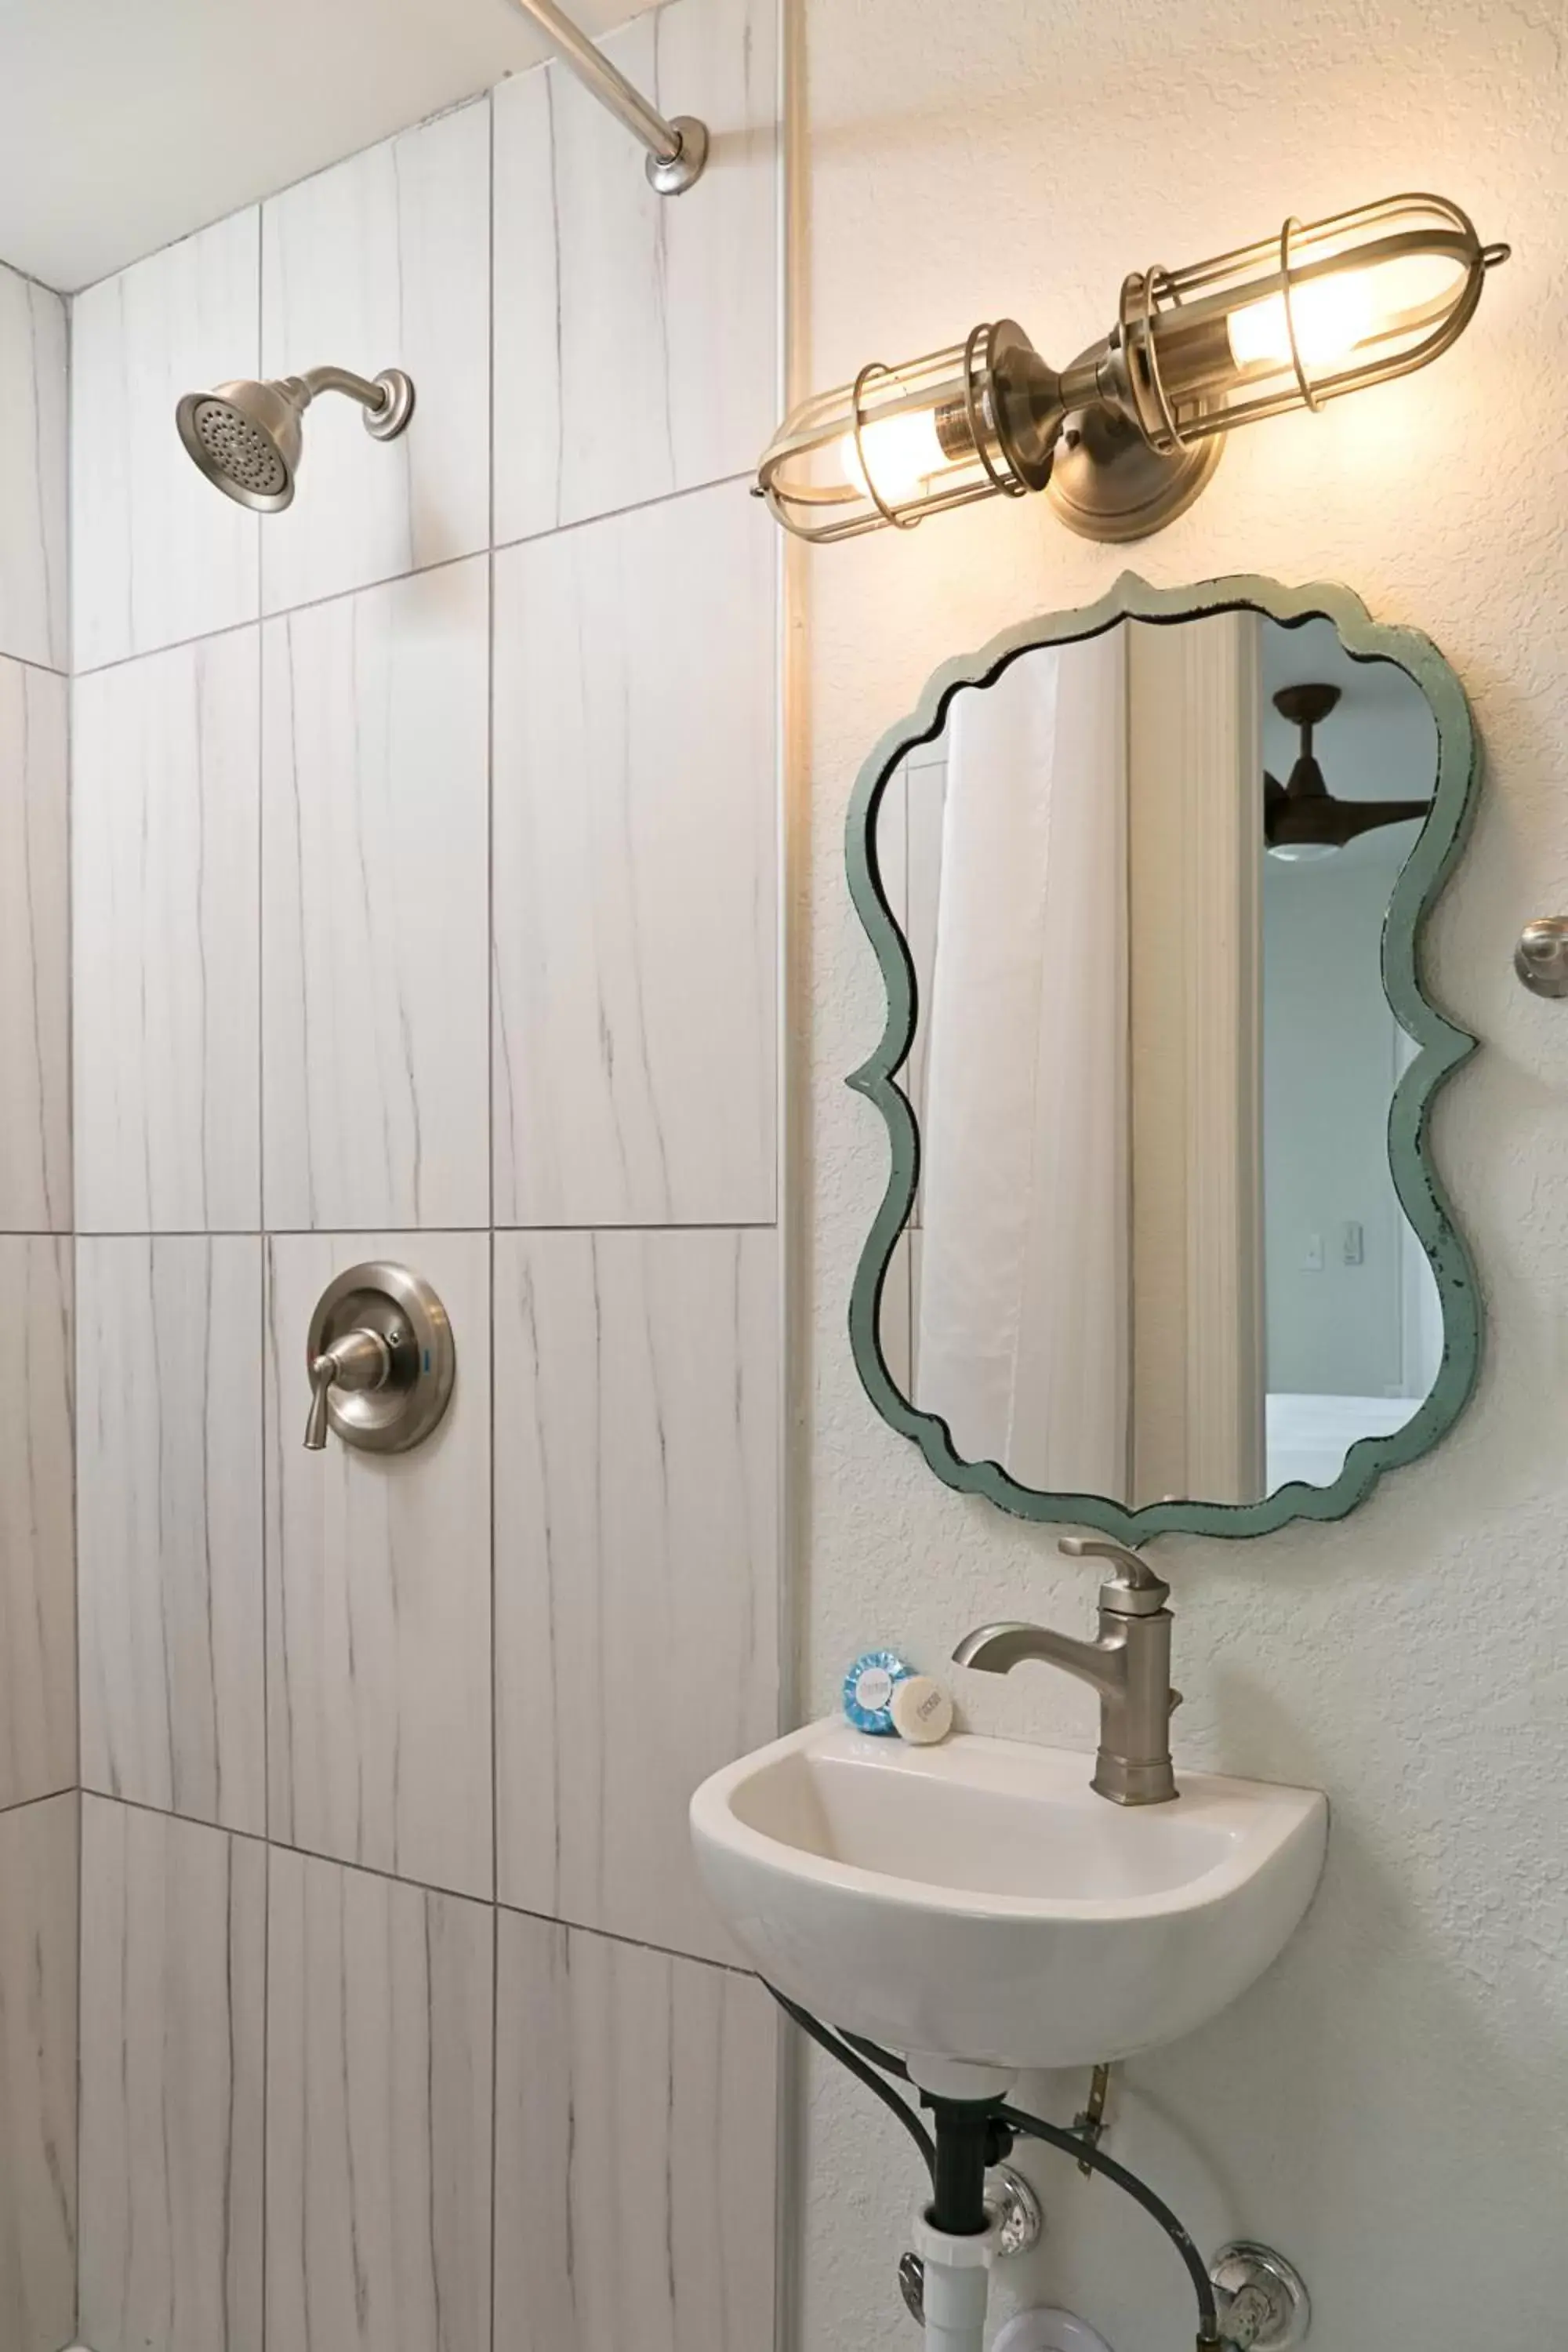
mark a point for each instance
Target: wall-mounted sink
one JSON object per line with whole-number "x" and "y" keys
{"x": 976, "y": 1902}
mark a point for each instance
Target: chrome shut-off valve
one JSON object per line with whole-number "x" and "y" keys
{"x": 381, "y": 1359}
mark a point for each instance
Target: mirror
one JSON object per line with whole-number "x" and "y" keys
{"x": 1163, "y": 1246}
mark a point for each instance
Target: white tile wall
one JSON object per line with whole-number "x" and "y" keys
{"x": 383, "y": 262}
{"x": 35, "y": 946}
{"x": 375, "y": 894}
{"x": 33, "y": 614}
{"x": 380, "y": 2081}
{"x": 173, "y": 1926}
{"x": 164, "y": 770}
{"x": 38, "y": 1552}
{"x": 635, "y": 333}
{"x": 157, "y": 553}
{"x": 635, "y": 864}
{"x": 38, "y": 1871}
{"x": 635, "y": 1562}
{"x": 169, "y": 1535}
{"x": 290, "y": 833}
{"x": 379, "y": 1593}
{"x": 635, "y": 2149}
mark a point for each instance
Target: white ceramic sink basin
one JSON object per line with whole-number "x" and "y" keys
{"x": 978, "y": 1902}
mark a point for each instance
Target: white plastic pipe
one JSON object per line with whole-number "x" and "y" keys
{"x": 957, "y": 2287}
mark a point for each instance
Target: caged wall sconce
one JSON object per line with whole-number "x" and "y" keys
{"x": 1126, "y": 437}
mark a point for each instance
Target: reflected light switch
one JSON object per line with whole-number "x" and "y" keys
{"x": 1312, "y": 1255}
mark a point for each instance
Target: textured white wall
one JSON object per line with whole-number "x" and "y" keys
{"x": 1389, "y": 2104}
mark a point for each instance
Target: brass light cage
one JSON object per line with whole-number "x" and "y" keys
{"x": 1183, "y": 389}
{"x": 980, "y": 404}
{"x": 1127, "y": 436}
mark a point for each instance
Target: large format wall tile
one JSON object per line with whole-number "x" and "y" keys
{"x": 39, "y": 1873}
{"x": 634, "y": 855}
{"x": 167, "y": 1040}
{"x": 37, "y": 1550}
{"x": 35, "y": 948}
{"x": 33, "y": 614}
{"x": 385, "y": 262}
{"x": 379, "y": 1593}
{"x": 379, "y": 2114}
{"x": 169, "y": 1535}
{"x": 634, "y": 2159}
{"x": 157, "y": 553}
{"x": 376, "y": 711}
{"x": 174, "y": 1952}
{"x": 635, "y": 1562}
{"x": 660, "y": 312}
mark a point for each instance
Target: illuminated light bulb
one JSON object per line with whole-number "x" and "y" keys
{"x": 903, "y": 452}
{"x": 1332, "y": 315}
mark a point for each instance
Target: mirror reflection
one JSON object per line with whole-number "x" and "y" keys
{"x": 1156, "y": 1249}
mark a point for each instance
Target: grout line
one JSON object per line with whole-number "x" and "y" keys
{"x": 259, "y": 619}
{"x": 490, "y": 1199}
{"x": 262, "y": 1303}
{"x": 72, "y": 1330}
{"x": 351, "y": 1231}
{"x": 45, "y": 669}
{"x": 792, "y": 1100}
{"x": 43, "y": 1797}
{"x": 419, "y": 1886}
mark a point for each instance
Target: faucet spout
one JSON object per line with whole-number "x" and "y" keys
{"x": 1129, "y": 1663}
{"x": 998, "y": 1649}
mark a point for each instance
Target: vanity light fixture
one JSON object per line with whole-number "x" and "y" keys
{"x": 1129, "y": 435}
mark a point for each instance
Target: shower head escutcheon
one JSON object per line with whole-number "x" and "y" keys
{"x": 246, "y": 437}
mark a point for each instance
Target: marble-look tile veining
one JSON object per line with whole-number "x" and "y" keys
{"x": 378, "y": 1571}
{"x": 634, "y": 337}
{"x": 634, "y": 2161}
{"x": 157, "y": 554}
{"x": 174, "y": 1949}
{"x": 169, "y": 1536}
{"x": 383, "y": 262}
{"x": 34, "y": 613}
{"x": 635, "y": 860}
{"x": 164, "y": 769}
{"x": 380, "y": 2084}
{"x": 35, "y": 948}
{"x": 636, "y": 1576}
{"x": 374, "y": 890}
{"x": 39, "y": 1873}
{"x": 38, "y": 1549}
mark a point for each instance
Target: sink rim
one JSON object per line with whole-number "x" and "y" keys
{"x": 1269, "y": 1813}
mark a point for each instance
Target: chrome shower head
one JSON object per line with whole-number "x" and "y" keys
{"x": 247, "y": 436}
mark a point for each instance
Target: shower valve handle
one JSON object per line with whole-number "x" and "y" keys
{"x": 359, "y": 1360}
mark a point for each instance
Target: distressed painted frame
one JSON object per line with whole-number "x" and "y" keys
{"x": 1443, "y": 1046}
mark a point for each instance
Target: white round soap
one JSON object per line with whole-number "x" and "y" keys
{"x": 922, "y": 1711}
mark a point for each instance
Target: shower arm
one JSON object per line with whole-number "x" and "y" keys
{"x": 336, "y": 379}
{"x": 677, "y": 150}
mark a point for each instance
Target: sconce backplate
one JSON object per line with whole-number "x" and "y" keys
{"x": 403, "y": 1310}
{"x": 1107, "y": 484}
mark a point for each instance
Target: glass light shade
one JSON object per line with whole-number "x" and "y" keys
{"x": 970, "y": 422}
{"x": 1303, "y": 853}
{"x": 1298, "y": 319}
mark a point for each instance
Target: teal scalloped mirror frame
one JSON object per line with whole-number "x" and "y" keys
{"x": 1440, "y": 1047}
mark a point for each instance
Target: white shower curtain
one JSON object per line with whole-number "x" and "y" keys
{"x": 1024, "y": 1321}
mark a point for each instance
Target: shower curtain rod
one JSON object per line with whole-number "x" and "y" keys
{"x": 677, "y": 150}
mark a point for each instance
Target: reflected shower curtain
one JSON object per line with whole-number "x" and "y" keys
{"x": 1024, "y": 1323}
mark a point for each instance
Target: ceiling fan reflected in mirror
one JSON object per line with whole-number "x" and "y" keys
{"x": 1302, "y": 821}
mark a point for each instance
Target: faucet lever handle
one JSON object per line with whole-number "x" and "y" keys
{"x": 1135, "y": 1570}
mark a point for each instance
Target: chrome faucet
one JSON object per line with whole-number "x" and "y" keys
{"x": 1129, "y": 1663}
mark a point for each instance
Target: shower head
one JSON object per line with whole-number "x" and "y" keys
{"x": 247, "y": 436}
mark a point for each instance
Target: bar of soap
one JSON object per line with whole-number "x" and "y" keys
{"x": 922, "y": 1711}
